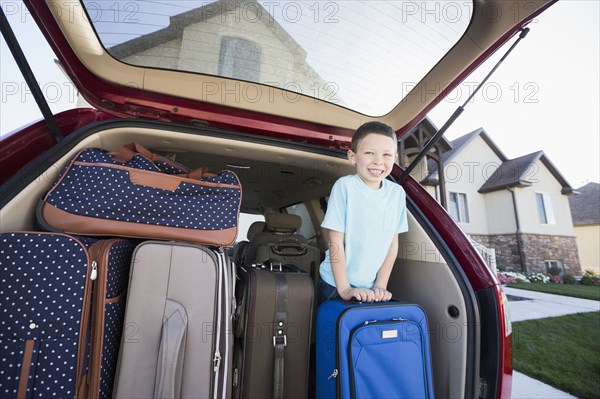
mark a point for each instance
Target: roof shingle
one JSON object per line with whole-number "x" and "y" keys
{"x": 585, "y": 207}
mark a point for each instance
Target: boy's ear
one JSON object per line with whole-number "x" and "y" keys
{"x": 351, "y": 156}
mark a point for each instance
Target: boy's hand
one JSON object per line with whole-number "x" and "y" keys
{"x": 360, "y": 294}
{"x": 381, "y": 294}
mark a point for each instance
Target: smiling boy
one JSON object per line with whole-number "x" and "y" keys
{"x": 365, "y": 214}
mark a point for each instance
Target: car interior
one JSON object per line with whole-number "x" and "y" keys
{"x": 275, "y": 176}
{"x": 287, "y": 147}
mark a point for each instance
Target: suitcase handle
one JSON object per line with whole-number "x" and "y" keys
{"x": 129, "y": 151}
{"x": 169, "y": 369}
{"x": 284, "y": 250}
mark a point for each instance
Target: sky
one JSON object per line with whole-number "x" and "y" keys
{"x": 545, "y": 96}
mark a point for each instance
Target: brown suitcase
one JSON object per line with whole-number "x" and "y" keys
{"x": 274, "y": 331}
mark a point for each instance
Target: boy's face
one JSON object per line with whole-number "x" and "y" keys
{"x": 374, "y": 158}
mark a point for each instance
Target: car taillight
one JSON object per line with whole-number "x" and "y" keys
{"x": 506, "y": 370}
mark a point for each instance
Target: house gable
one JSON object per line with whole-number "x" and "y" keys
{"x": 190, "y": 43}
{"x": 474, "y": 157}
{"x": 458, "y": 146}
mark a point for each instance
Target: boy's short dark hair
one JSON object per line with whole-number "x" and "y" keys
{"x": 371, "y": 127}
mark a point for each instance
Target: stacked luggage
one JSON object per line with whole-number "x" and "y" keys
{"x": 96, "y": 307}
{"x": 68, "y": 329}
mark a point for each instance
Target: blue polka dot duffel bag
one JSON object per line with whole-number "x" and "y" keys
{"x": 135, "y": 193}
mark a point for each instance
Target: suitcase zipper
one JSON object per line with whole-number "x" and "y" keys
{"x": 99, "y": 252}
{"x": 217, "y": 361}
{"x": 94, "y": 272}
{"x": 333, "y": 375}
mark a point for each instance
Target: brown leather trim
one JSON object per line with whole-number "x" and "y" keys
{"x": 156, "y": 180}
{"x": 115, "y": 299}
{"x": 63, "y": 175}
{"x": 130, "y": 150}
{"x": 77, "y": 224}
{"x": 99, "y": 253}
{"x": 83, "y": 336}
{"x": 158, "y": 175}
{"x": 25, "y": 367}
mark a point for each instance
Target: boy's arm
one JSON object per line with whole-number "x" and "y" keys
{"x": 383, "y": 275}
{"x": 337, "y": 257}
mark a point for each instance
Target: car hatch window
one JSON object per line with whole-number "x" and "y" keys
{"x": 301, "y": 47}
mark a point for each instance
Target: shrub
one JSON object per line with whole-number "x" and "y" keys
{"x": 569, "y": 279}
{"x": 590, "y": 279}
{"x": 554, "y": 270}
{"x": 539, "y": 278}
{"x": 556, "y": 279}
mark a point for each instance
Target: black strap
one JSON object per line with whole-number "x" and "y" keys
{"x": 279, "y": 334}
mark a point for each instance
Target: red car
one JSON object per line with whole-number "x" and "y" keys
{"x": 274, "y": 91}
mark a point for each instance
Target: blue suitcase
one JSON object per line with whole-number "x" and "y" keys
{"x": 54, "y": 339}
{"x": 373, "y": 350}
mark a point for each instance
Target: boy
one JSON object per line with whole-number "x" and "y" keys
{"x": 364, "y": 215}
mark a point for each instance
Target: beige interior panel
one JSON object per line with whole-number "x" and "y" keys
{"x": 426, "y": 280}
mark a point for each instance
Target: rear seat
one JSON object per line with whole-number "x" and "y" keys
{"x": 277, "y": 239}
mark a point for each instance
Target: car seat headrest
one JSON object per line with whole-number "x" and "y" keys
{"x": 283, "y": 223}
{"x": 255, "y": 229}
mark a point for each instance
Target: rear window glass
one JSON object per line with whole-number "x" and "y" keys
{"x": 365, "y": 56}
{"x": 245, "y": 220}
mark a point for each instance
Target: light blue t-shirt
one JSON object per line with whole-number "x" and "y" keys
{"x": 369, "y": 219}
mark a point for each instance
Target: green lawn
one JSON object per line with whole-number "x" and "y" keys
{"x": 563, "y": 352}
{"x": 576, "y": 290}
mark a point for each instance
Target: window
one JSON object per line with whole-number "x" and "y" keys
{"x": 554, "y": 267}
{"x": 544, "y": 207}
{"x": 239, "y": 59}
{"x": 458, "y": 207}
{"x": 396, "y": 42}
{"x": 245, "y": 220}
{"x": 307, "y": 229}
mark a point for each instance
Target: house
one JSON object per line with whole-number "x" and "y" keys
{"x": 517, "y": 207}
{"x": 585, "y": 210}
{"x": 188, "y": 43}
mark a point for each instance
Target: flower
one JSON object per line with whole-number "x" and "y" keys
{"x": 511, "y": 277}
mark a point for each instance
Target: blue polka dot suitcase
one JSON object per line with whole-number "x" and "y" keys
{"x": 111, "y": 260}
{"x": 134, "y": 193}
{"x": 52, "y": 341}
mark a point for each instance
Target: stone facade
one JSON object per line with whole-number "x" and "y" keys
{"x": 534, "y": 249}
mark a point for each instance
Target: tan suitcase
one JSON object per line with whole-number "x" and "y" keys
{"x": 177, "y": 339}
